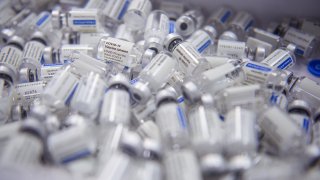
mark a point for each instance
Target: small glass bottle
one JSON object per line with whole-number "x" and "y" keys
{"x": 203, "y": 38}
{"x": 189, "y": 22}
{"x": 153, "y": 77}
{"x": 258, "y": 49}
{"x": 80, "y": 20}
{"x": 115, "y": 11}
{"x": 137, "y": 13}
{"x": 156, "y": 30}
{"x": 240, "y": 132}
{"x": 6, "y": 99}
{"x": 181, "y": 164}
{"x": 32, "y": 58}
{"x": 238, "y": 27}
{"x": 26, "y": 93}
{"x": 118, "y": 51}
{"x": 116, "y": 102}
{"x": 282, "y": 58}
{"x": 267, "y": 37}
{"x": 300, "y": 112}
{"x": 285, "y": 136}
{"x": 10, "y": 59}
{"x": 87, "y": 97}
{"x": 171, "y": 120}
{"x": 189, "y": 59}
{"x": 220, "y": 18}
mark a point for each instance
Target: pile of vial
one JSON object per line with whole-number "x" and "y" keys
{"x": 141, "y": 90}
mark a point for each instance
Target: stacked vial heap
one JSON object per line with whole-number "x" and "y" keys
{"x": 133, "y": 89}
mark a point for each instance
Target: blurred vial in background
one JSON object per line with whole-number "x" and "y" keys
{"x": 189, "y": 22}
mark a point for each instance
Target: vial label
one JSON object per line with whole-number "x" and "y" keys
{"x": 11, "y": 56}
{"x": 33, "y": 50}
{"x": 302, "y": 40}
{"x": 280, "y": 100}
{"x": 233, "y": 49}
{"x": 172, "y": 28}
{"x": 83, "y": 20}
{"x": 303, "y": 122}
{"x": 66, "y": 51}
{"x": 118, "y": 51}
{"x": 223, "y": 15}
{"x": 201, "y": 40}
{"x": 143, "y": 6}
{"x": 48, "y": 71}
{"x": 116, "y": 9}
{"x": 279, "y": 58}
{"x": 187, "y": 56}
{"x": 91, "y": 38}
{"x": 28, "y": 92}
{"x": 43, "y": 20}
{"x": 256, "y": 73}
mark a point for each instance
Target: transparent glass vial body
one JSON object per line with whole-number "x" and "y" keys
{"x": 203, "y": 38}
{"x": 6, "y": 99}
{"x": 220, "y": 18}
{"x": 238, "y": 27}
{"x": 156, "y": 30}
{"x": 280, "y": 58}
{"x": 137, "y": 13}
{"x": 189, "y": 22}
{"x": 116, "y": 102}
{"x": 115, "y": 11}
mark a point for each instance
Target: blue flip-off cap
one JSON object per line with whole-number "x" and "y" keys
{"x": 314, "y": 67}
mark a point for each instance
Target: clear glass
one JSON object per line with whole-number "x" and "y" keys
{"x": 114, "y": 11}
{"x": 232, "y": 49}
{"x": 88, "y": 95}
{"x": 220, "y": 18}
{"x": 157, "y": 28}
{"x": 189, "y": 22}
{"x": 181, "y": 165}
{"x": 201, "y": 40}
{"x": 241, "y": 135}
{"x": 6, "y": 100}
{"x": 280, "y": 58}
{"x": 137, "y": 13}
{"x": 84, "y": 20}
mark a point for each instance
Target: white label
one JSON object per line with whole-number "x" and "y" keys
{"x": 28, "y": 92}
{"x": 256, "y": 72}
{"x": 48, "y": 71}
{"x": 302, "y": 40}
{"x": 219, "y": 72}
{"x": 233, "y": 49}
{"x": 279, "y": 58}
{"x": 187, "y": 56}
{"x": 83, "y": 20}
{"x": 33, "y": 50}
{"x": 11, "y": 55}
{"x": 91, "y": 38}
{"x": 66, "y": 51}
{"x": 118, "y": 51}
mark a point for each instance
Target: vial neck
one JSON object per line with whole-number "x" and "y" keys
{"x": 166, "y": 101}
{"x": 174, "y": 44}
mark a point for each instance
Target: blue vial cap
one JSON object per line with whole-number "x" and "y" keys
{"x": 314, "y": 67}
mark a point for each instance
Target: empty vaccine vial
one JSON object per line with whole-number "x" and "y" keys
{"x": 80, "y": 20}
{"x": 282, "y": 58}
{"x": 124, "y": 33}
{"x": 26, "y": 93}
{"x": 171, "y": 120}
{"x": 88, "y": 95}
{"x": 285, "y": 136}
{"x": 189, "y": 22}
{"x": 189, "y": 59}
{"x": 10, "y": 59}
{"x": 116, "y": 102}
{"x": 71, "y": 144}
{"x": 205, "y": 126}
{"x": 218, "y": 78}
{"x": 300, "y": 112}
{"x": 156, "y": 30}
{"x": 115, "y": 11}
{"x": 181, "y": 165}
{"x": 238, "y": 27}
{"x": 267, "y": 37}
{"x": 6, "y": 99}
{"x": 59, "y": 91}
{"x": 118, "y": 51}
{"x": 154, "y": 76}
{"x": 58, "y": 56}
{"x": 240, "y": 131}
{"x": 203, "y": 38}
{"x": 137, "y": 13}
{"x": 220, "y": 18}
{"x": 26, "y": 147}
{"x": 307, "y": 90}
{"x": 7, "y": 12}
{"x": 30, "y": 67}
{"x": 306, "y": 43}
